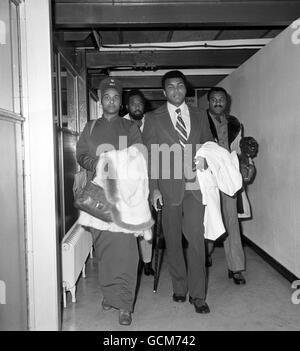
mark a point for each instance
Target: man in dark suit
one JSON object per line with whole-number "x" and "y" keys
{"x": 135, "y": 105}
{"x": 227, "y": 132}
{"x": 172, "y": 134}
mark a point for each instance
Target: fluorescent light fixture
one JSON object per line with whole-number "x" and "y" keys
{"x": 161, "y": 72}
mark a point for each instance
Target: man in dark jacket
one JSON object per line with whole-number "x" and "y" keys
{"x": 227, "y": 131}
{"x": 177, "y": 130}
{"x": 135, "y": 105}
{"x": 117, "y": 252}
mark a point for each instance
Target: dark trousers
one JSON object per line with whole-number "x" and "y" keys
{"x": 118, "y": 257}
{"x": 186, "y": 218}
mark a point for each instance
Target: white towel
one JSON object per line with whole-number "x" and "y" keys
{"x": 222, "y": 174}
{"x": 223, "y": 165}
{"x": 213, "y": 223}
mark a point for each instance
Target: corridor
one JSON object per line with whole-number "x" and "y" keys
{"x": 50, "y": 89}
{"x": 264, "y": 303}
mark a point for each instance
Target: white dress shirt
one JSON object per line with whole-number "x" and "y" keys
{"x": 131, "y": 119}
{"x": 185, "y": 114}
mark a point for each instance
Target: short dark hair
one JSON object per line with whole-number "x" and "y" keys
{"x": 135, "y": 92}
{"x": 173, "y": 74}
{"x": 249, "y": 146}
{"x": 216, "y": 90}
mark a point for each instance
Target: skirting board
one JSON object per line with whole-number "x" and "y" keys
{"x": 270, "y": 260}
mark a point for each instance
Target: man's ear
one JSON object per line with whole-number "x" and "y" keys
{"x": 164, "y": 93}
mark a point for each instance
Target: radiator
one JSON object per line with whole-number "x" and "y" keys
{"x": 77, "y": 244}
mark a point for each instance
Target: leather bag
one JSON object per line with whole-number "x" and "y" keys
{"x": 92, "y": 199}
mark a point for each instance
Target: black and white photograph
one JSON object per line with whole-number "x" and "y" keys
{"x": 149, "y": 180}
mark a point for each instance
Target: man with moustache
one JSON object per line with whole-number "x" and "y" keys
{"x": 117, "y": 253}
{"x": 177, "y": 126}
{"x": 227, "y": 131}
{"x": 135, "y": 105}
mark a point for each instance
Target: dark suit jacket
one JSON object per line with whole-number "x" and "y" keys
{"x": 234, "y": 128}
{"x": 159, "y": 130}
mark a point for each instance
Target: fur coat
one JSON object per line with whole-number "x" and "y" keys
{"x": 123, "y": 176}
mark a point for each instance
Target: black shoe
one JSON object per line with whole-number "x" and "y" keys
{"x": 106, "y": 306}
{"x": 125, "y": 317}
{"x": 200, "y": 305}
{"x": 237, "y": 277}
{"x": 208, "y": 261}
{"x": 148, "y": 270}
{"x": 179, "y": 298}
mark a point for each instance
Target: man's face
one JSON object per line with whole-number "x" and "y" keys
{"x": 136, "y": 107}
{"x": 217, "y": 103}
{"x": 111, "y": 101}
{"x": 175, "y": 91}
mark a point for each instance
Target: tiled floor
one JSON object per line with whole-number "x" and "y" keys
{"x": 264, "y": 303}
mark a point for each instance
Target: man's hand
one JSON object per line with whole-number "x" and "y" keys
{"x": 200, "y": 163}
{"x": 156, "y": 195}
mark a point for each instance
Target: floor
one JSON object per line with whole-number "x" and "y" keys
{"x": 264, "y": 303}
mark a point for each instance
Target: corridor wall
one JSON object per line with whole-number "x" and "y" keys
{"x": 265, "y": 94}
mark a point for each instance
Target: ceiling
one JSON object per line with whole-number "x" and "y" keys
{"x": 137, "y": 41}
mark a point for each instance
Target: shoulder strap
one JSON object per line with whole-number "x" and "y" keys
{"x": 92, "y": 126}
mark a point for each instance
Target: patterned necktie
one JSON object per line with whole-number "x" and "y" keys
{"x": 139, "y": 123}
{"x": 181, "y": 128}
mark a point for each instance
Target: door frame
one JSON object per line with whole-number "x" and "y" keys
{"x": 44, "y": 305}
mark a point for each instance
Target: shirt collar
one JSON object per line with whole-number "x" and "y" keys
{"x": 134, "y": 119}
{"x": 172, "y": 108}
{"x": 222, "y": 118}
{"x": 111, "y": 120}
